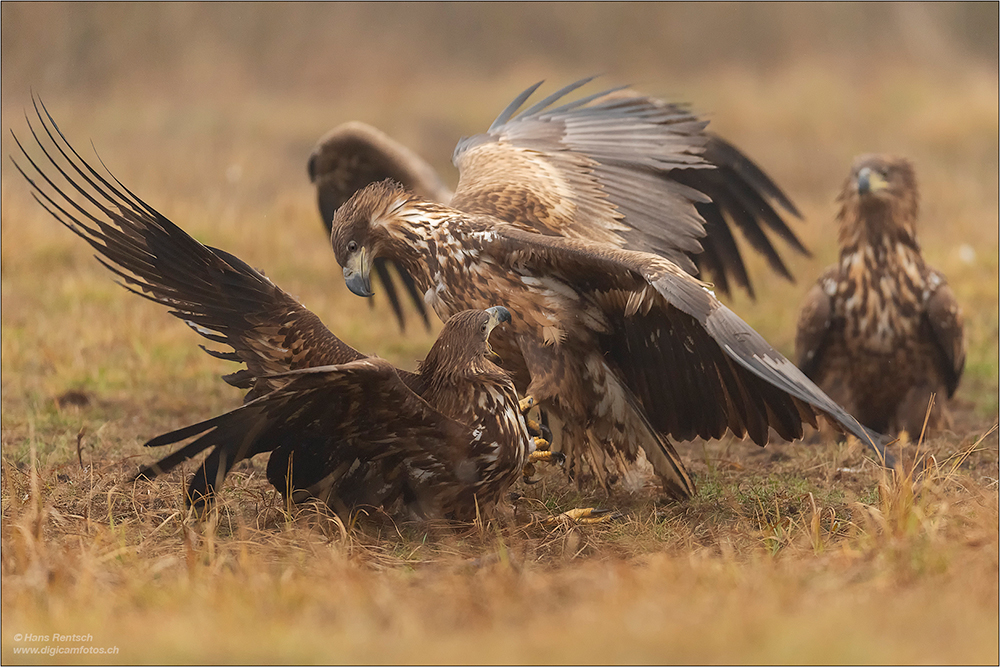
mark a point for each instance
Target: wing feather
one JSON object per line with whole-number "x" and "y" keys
{"x": 812, "y": 333}
{"x": 217, "y": 294}
{"x": 330, "y": 416}
{"x": 945, "y": 318}
{"x": 622, "y": 168}
{"x": 689, "y": 359}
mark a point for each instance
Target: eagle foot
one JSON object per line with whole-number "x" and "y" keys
{"x": 583, "y": 516}
{"x": 545, "y": 454}
{"x": 542, "y": 454}
{"x": 535, "y": 428}
{"x": 539, "y": 430}
{"x": 528, "y": 473}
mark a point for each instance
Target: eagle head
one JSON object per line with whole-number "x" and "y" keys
{"x": 358, "y": 231}
{"x": 881, "y": 194}
{"x": 464, "y": 341}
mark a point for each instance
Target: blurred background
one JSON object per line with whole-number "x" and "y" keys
{"x": 209, "y": 110}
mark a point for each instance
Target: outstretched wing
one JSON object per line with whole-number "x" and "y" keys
{"x": 696, "y": 367}
{"x": 214, "y": 292}
{"x": 354, "y": 154}
{"x": 744, "y": 196}
{"x": 617, "y": 167}
{"x": 355, "y": 430}
{"x": 622, "y": 168}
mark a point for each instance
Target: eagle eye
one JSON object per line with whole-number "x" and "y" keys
{"x": 483, "y": 327}
{"x": 352, "y": 246}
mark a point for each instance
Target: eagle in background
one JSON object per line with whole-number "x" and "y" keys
{"x": 589, "y": 176}
{"x": 881, "y": 330}
{"x": 350, "y": 430}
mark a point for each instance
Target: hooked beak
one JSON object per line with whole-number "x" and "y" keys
{"x": 357, "y": 273}
{"x": 498, "y": 315}
{"x": 870, "y": 181}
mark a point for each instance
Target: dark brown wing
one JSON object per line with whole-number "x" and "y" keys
{"x": 814, "y": 324}
{"x": 351, "y": 156}
{"x": 354, "y": 154}
{"x": 355, "y": 429}
{"x": 945, "y": 318}
{"x": 622, "y": 168}
{"x": 743, "y": 195}
{"x": 214, "y": 292}
{"x": 604, "y": 168}
{"x": 696, "y": 367}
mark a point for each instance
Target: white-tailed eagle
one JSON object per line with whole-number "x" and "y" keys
{"x": 625, "y": 347}
{"x": 881, "y": 330}
{"x": 617, "y": 167}
{"x": 351, "y": 430}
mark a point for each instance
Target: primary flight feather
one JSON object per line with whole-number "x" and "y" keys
{"x": 617, "y": 167}
{"x": 349, "y": 429}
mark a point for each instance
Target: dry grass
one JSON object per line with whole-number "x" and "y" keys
{"x": 799, "y": 552}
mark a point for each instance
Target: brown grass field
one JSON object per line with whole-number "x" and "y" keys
{"x": 797, "y": 553}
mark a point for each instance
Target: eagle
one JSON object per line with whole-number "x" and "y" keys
{"x": 616, "y": 167}
{"x": 624, "y": 347}
{"x": 881, "y": 330}
{"x": 348, "y": 429}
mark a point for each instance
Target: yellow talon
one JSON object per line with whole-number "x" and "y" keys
{"x": 546, "y": 455}
{"x": 584, "y": 516}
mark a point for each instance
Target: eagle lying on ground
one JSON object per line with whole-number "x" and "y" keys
{"x": 616, "y": 167}
{"x": 347, "y": 429}
{"x": 881, "y": 330}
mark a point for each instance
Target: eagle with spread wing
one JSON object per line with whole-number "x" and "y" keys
{"x": 625, "y": 347}
{"x": 881, "y": 330}
{"x": 348, "y": 429}
{"x": 617, "y": 167}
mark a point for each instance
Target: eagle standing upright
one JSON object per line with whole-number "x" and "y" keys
{"x": 881, "y": 330}
{"x": 348, "y": 429}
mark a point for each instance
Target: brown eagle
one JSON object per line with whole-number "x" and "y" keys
{"x": 351, "y": 430}
{"x": 625, "y": 347}
{"x": 616, "y": 167}
{"x": 881, "y": 330}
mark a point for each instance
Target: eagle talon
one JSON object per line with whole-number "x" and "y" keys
{"x": 538, "y": 430}
{"x": 546, "y": 455}
{"x": 583, "y": 516}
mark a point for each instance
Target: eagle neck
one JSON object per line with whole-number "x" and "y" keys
{"x": 436, "y": 245}
{"x": 883, "y": 227}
